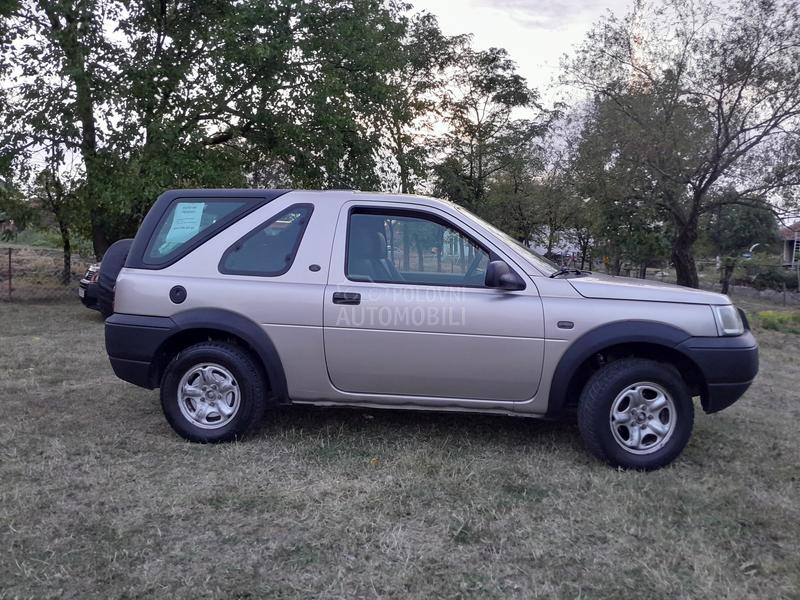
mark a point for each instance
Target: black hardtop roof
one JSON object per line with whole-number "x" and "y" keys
{"x": 246, "y": 193}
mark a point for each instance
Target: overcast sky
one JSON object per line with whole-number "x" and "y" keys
{"x": 535, "y": 32}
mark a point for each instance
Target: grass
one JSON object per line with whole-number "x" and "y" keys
{"x": 99, "y": 499}
{"x": 788, "y": 321}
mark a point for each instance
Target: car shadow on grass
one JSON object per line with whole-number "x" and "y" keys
{"x": 457, "y": 429}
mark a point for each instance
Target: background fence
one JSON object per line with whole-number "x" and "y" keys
{"x": 35, "y": 274}
{"x": 29, "y": 273}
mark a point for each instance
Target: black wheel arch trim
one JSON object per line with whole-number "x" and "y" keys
{"x": 145, "y": 340}
{"x": 244, "y": 328}
{"x": 725, "y": 365}
{"x": 598, "y": 339}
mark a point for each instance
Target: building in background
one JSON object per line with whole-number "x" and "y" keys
{"x": 791, "y": 245}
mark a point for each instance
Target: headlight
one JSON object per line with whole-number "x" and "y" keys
{"x": 729, "y": 322}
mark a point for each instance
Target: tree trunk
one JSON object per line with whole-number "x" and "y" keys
{"x": 66, "y": 272}
{"x": 682, "y": 257}
{"x": 400, "y": 156}
{"x": 617, "y": 268}
{"x": 727, "y": 274}
{"x": 100, "y": 241}
{"x": 439, "y": 250}
{"x": 550, "y": 243}
{"x": 391, "y": 240}
{"x": 406, "y": 248}
{"x": 685, "y": 267}
{"x": 72, "y": 45}
{"x": 420, "y": 255}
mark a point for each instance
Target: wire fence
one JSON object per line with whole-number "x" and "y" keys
{"x": 765, "y": 280}
{"x": 30, "y": 274}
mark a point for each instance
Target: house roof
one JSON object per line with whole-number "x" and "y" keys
{"x": 790, "y": 231}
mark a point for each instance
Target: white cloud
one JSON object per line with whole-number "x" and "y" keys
{"x": 536, "y": 33}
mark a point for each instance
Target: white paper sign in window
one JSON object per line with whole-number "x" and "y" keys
{"x": 185, "y": 222}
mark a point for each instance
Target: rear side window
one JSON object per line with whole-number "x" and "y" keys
{"x": 269, "y": 250}
{"x": 186, "y": 221}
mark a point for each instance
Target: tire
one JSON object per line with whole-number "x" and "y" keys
{"x": 636, "y": 413}
{"x": 210, "y": 376}
{"x": 110, "y": 266}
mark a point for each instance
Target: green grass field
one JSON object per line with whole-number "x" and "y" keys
{"x": 99, "y": 499}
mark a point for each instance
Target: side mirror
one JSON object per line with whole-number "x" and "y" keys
{"x": 499, "y": 275}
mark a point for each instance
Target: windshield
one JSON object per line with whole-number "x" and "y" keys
{"x": 539, "y": 261}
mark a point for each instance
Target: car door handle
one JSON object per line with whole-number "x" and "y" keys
{"x": 346, "y": 298}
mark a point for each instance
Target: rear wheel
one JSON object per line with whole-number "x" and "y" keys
{"x": 636, "y": 413}
{"x": 213, "y": 392}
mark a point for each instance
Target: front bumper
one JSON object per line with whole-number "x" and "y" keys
{"x": 728, "y": 365}
{"x": 87, "y": 291}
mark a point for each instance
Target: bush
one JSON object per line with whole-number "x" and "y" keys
{"x": 774, "y": 278}
{"x": 780, "y": 321}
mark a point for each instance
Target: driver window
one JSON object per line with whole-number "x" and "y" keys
{"x": 419, "y": 250}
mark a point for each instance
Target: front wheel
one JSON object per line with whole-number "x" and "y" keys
{"x": 213, "y": 392}
{"x": 636, "y": 413}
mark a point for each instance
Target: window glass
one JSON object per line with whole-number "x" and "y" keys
{"x": 184, "y": 222}
{"x": 270, "y": 249}
{"x": 543, "y": 264}
{"x": 401, "y": 248}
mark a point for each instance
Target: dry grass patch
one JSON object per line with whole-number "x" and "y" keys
{"x": 100, "y": 499}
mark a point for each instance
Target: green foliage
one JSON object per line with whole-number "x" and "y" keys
{"x": 14, "y": 207}
{"x": 733, "y": 228}
{"x": 625, "y": 219}
{"x": 415, "y": 85}
{"x": 689, "y": 116}
{"x": 210, "y": 93}
{"x": 482, "y": 138}
{"x": 788, "y": 322}
{"x": 772, "y": 278}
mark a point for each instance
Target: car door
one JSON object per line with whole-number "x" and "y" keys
{"x": 406, "y": 312}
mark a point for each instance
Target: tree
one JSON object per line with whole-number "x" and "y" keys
{"x": 626, "y": 220}
{"x": 510, "y": 204}
{"x": 414, "y": 93}
{"x": 733, "y": 229}
{"x": 193, "y": 94}
{"x": 55, "y": 90}
{"x": 708, "y": 98}
{"x": 483, "y": 138}
{"x": 13, "y": 207}
{"x": 55, "y": 190}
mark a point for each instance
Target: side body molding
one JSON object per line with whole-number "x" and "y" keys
{"x": 605, "y": 336}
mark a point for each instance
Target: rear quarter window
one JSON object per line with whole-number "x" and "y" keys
{"x": 186, "y": 221}
{"x": 270, "y": 249}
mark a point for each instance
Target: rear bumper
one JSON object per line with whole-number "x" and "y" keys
{"x": 133, "y": 371}
{"x": 728, "y": 364}
{"x": 133, "y": 344}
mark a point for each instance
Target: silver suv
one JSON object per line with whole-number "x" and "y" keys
{"x": 233, "y": 301}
